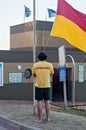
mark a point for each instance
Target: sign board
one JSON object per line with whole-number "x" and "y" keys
{"x": 15, "y": 77}
{"x": 62, "y": 71}
{"x": 1, "y": 73}
{"x": 80, "y": 73}
{"x": 62, "y": 74}
{"x": 61, "y": 51}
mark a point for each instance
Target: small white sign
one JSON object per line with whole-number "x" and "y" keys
{"x": 61, "y": 51}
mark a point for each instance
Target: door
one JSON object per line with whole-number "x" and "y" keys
{"x": 57, "y": 87}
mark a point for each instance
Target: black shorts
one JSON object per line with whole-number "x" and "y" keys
{"x": 42, "y": 93}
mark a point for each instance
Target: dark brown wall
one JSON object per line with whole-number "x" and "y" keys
{"x": 17, "y": 92}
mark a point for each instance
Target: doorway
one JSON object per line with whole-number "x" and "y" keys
{"x": 57, "y": 87}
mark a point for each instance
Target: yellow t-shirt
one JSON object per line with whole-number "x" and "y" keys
{"x": 43, "y": 70}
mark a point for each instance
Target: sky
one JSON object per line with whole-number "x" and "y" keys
{"x": 12, "y": 13}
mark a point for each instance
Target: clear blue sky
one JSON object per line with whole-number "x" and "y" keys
{"x": 12, "y": 13}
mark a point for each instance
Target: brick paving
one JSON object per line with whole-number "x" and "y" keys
{"x": 22, "y": 113}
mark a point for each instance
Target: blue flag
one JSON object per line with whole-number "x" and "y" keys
{"x": 51, "y": 13}
{"x": 27, "y": 11}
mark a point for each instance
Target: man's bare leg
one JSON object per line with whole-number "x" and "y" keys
{"x": 39, "y": 109}
{"x": 47, "y": 109}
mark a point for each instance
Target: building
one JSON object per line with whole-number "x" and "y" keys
{"x": 21, "y": 54}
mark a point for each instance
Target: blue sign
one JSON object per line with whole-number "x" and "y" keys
{"x": 1, "y": 73}
{"x": 62, "y": 73}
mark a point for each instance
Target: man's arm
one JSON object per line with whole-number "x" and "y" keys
{"x": 52, "y": 70}
{"x": 33, "y": 71}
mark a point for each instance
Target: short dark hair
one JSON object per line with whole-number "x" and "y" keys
{"x": 42, "y": 56}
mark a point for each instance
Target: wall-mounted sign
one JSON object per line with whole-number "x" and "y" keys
{"x": 62, "y": 73}
{"x": 1, "y": 73}
{"x": 15, "y": 77}
{"x": 81, "y": 73}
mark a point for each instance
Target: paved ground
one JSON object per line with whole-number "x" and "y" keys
{"x": 4, "y": 126}
{"x": 18, "y": 115}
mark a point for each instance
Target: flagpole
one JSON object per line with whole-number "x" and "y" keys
{"x": 46, "y": 16}
{"x": 24, "y": 13}
{"x": 34, "y": 51}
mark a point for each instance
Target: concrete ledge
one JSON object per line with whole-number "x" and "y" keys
{"x": 15, "y": 124}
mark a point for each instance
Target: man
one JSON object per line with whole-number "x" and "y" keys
{"x": 42, "y": 70}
